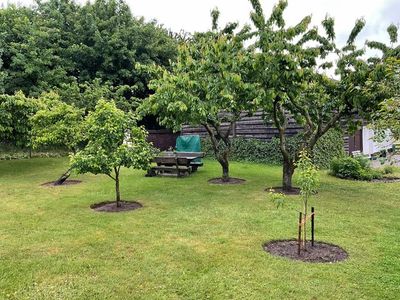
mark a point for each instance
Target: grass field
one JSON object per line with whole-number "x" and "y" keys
{"x": 192, "y": 240}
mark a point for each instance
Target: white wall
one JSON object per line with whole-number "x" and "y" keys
{"x": 371, "y": 147}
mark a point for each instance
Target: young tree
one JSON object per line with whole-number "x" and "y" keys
{"x": 57, "y": 124}
{"x": 308, "y": 182}
{"x": 298, "y": 88}
{"x": 113, "y": 141}
{"x": 208, "y": 85}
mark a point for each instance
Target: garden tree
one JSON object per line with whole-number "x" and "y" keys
{"x": 110, "y": 42}
{"x": 15, "y": 112}
{"x": 388, "y": 51}
{"x": 387, "y": 117}
{"x": 113, "y": 141}
{"x": 208, "y": 85}
{"x": 85, "y": 95}
{"x": 57, "y": 123}
{"x": 59, "y": 42}
{"x": 15, "y": 25}
{"x": 308, "y": 182}
{"x": 293, "y": 63}
{"x": 31, "y": 56}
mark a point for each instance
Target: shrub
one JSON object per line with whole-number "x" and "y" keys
{"x": 388, "y": 170}
{"x": 346, "y": 167}
{"x": 354, "y": 168}
{"x": 330, "y": 146}
{"x": 363, "y": 160}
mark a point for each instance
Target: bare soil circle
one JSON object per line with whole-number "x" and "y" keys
{"x": 320, "y": 253}
{"x": 111, "y": 206}
{"x": 279, "y": 189}
{"x": 65, "y": 183}
{"x": 231, "y": 180}
{"x": 387, "y": 179}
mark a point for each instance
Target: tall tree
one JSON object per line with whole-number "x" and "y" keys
{"x": 15, "y": 112}
{"x": 59, "y": 42}
{"x": 293, "y": 66}
{"x": 30, "y": 54}
{"x": 208, "y": 85}
{"x": 387, "y": 117}
{"x": 110, "y": 42}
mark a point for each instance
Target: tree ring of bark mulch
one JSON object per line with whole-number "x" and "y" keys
{"x": 111, "y": 206}
{"x": 231, "y": 180}
{"x": 279, "y": 189}
{"x": 66, "y": 182}
{"x": 387, "y": 179}
{"x": 320, "y": 253}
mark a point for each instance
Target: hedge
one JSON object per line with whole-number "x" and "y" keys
{"x": 330, "y": 146}
{"x": 8, "y": 152}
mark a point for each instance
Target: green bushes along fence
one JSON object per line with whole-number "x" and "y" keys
{"x": 329, "y": 147}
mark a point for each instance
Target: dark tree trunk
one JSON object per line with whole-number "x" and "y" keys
{"x": 288, "y": 170}
{"x": 221, "y": 153}
{"x": 225, "y": 169}
{"x": 117, "y": 192}
{"x": 63, "y": 177}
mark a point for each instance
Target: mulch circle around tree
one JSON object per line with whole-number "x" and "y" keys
{"x": 387, "y": 179}
{"x": 320, "y": 253}
{"x": 232, "y": 180}
{"x": 67, "y": 182}
{"x": 279, "y": 189}
{"x": 111, "y": 206}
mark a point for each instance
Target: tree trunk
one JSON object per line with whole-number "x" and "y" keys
{"x": 117, "y": 192}
{"x": 288, "y": 170}
{"x": 221, "y": 154}
{"x": 63, "y": 177}
{"x": 225, "y": 169}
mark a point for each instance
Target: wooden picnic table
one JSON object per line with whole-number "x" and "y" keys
{"x": 176, "y": 163}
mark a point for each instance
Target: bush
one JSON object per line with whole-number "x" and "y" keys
{"x": 388, "y": 170}
{"x": 363, "y": 160}
{"x": 353, "y": 168}
{"x": 8, "y": 152}
{"x": 330, "y": 146}
{"x": 346, "y": 167}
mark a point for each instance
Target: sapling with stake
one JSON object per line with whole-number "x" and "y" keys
{"x": 308, "y": 183}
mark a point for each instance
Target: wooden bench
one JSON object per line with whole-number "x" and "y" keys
{"x": 171, "y": 166}
{"x": 194, "y": 164}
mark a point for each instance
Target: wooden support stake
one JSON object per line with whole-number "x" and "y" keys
{"x": 312, "y": 226}
{"x": 299, "y": 236}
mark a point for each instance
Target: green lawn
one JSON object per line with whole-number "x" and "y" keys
{"x": 191, "y": 240}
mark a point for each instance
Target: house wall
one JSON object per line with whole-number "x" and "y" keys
{"x": 247, "y": 127}
{"x": 162, "y": 138}
{"x": 255, "y": 127}
{"x": 369, "y": 146}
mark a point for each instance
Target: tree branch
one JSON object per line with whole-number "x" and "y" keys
{"x": 281, "y": 127}
{"x": 109, "y": 175}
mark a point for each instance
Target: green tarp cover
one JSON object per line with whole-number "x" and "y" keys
{"x": 188, "y": 143}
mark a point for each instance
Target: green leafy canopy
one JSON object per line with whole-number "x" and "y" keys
{"x": 113, "y": 141}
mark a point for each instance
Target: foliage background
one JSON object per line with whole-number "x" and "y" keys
{"x": 330, "y": 146}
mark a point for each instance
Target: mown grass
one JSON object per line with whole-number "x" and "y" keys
{"x": 192, "y": 240}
